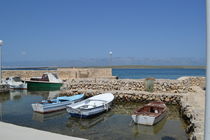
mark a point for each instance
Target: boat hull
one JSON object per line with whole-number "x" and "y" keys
{"x": 43, "y": 85}
{"x": 92, "y": 106}
{"x": 88, "y": 113}
{"x": 148, "y": 120}
{"x": 40, "y": 108}
{"x": 20, "y": 86}
{"x": 60, "y": 103}
{"x": 15, "y": 83}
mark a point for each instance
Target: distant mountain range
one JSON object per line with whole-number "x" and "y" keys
{"x": 108, "y": 62}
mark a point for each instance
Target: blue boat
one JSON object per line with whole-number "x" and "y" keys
{"x": 59, "y": 103}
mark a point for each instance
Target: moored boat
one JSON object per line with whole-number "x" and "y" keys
{"x": 15, "y": 82}
{"x": 59, "y": 103}
{"x": 91, "y": 106}
{"x": 150, "y": 114}
{"x": 48, "y": 81}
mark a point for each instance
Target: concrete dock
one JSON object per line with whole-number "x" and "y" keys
{"x": 14, "y": 132}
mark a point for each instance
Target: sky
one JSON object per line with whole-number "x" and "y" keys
{"x": 61, "y": 30}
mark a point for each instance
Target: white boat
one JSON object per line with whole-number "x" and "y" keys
{"x": 48, "y": 81}
{"x": 91, "y": 106}
{"x": 46, "y": 106}
{"x": 15, "y": 82}
{"x": 150, "y": 114}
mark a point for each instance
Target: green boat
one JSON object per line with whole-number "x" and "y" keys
{"x": 48, "y": 81}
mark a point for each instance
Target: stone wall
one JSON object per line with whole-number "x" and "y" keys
{"x": 187, "y": 92}
{"x": 69, "y": 73}
{"x": 127, "y": 96}
{"x": 25, "y": 74}
{"x": 182, "y": 85}
{"x": 63, "y": 73}
{"x": 193, "y": 111}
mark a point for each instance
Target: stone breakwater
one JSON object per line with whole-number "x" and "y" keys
{"x": 130, "y": 96}
{"x": 182, "y": 85}
{"x": 193, "y": 111}
{"x": 187, "y": 92}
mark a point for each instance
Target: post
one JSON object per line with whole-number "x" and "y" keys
{"x": 1, "y": 112}
{"x": 1, "y": 44}
{"x": 207, "y": 98}
{"x": 110, "y": 55}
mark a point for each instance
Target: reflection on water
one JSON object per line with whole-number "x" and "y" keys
{"x": 44, "y": 117}
{"x": 45, "y": 94}
{"x": 17, "y": 94}
{"x": 89, "y": 122}
{"x": 15, "y": 107}
{"x": 149, "y": 130}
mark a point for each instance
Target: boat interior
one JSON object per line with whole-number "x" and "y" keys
{"x": 149, "y": 110}
{"x": 89, "y": 104}
{"x": 43, "y": 78}
{"x": 53, "y": 101}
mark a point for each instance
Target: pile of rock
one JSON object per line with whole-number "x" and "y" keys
{"x": 181, "y": 85}
{"x": 133, "y": 96}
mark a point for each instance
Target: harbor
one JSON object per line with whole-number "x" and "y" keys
{"x": 16, "y": 109}
{"x": 104, "y": 70}
{"x": 177, "y": 94}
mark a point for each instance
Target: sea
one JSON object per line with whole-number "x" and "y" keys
{"x": 169, "y": 73}
{"x": 157, "y": 73}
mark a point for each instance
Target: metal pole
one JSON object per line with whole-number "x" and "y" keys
{"x": 110, "y": 55}
{"x": 1, "y": 112}
{"x": 207, "y": 98}
{"x": 1, "y": 65}
{"x": 1, "y": 43}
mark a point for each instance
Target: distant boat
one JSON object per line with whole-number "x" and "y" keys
{"x": 59, "y": 103}
{"x": 91, "y": 106}
{"x": 48, "y": 81}
{"x": 15, "y": 82}
{"x": 150, "y": 114}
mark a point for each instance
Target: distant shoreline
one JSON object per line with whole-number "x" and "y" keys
{"x": 114, "y": 67}
{"x": 157, "y": 67}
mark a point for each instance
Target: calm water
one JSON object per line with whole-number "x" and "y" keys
{"x": 15, "y": 107}
{"x": 157, "y": 73}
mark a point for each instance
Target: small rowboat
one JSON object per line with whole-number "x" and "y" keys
{"x": 150, "y": 114}
{"x": 46, "y": 106}
{"x": 91, "y": 106}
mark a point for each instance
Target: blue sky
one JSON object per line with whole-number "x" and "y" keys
{"x": 48, "y": 30}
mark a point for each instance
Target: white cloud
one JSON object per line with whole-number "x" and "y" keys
{"x": 23, "y": 53}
